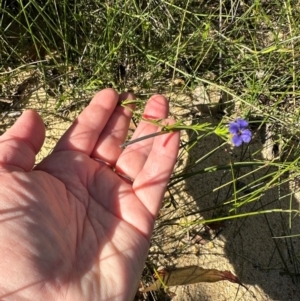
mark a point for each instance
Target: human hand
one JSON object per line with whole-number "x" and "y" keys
{"x": 71, "y": 228}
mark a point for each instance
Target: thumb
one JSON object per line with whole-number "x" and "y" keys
{"x": 22, "y": 142}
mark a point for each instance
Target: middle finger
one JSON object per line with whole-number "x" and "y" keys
{"x": 133, "y": 158}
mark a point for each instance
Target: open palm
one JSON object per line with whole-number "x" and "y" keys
{"x": 72, "y": 228}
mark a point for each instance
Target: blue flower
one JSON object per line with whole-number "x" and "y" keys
{"x": 239, "y": 132}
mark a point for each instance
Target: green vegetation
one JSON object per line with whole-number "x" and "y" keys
{"x": 247, "y": 50}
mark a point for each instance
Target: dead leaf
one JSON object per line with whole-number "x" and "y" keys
{"x": 190, "y": 275}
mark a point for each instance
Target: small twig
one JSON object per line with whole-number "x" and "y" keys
{"x": 144, "y": 138}
{"x": 22, "y": 66}
{"x": 170, "y": 128}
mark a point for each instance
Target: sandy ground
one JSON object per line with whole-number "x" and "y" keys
{"x": 243, "y": 246}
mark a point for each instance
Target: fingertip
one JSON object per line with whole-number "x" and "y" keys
{"x": 23, "y": 141}
{"x": 157, "y": 107}
{"x": 29, "y": 126}
{"x": 126, "y": 95}
{"x": 106, "y": 96}
{"x": 159, "y": 98}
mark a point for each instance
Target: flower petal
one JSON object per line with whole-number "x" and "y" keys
{"x": 242, "y": 123}
{"x": 237, "y": 140}
{"x": 246, "y": 136}
{"x": 234, "y": 128}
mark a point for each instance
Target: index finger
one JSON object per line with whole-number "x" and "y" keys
{"x": 84, "y": 132}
